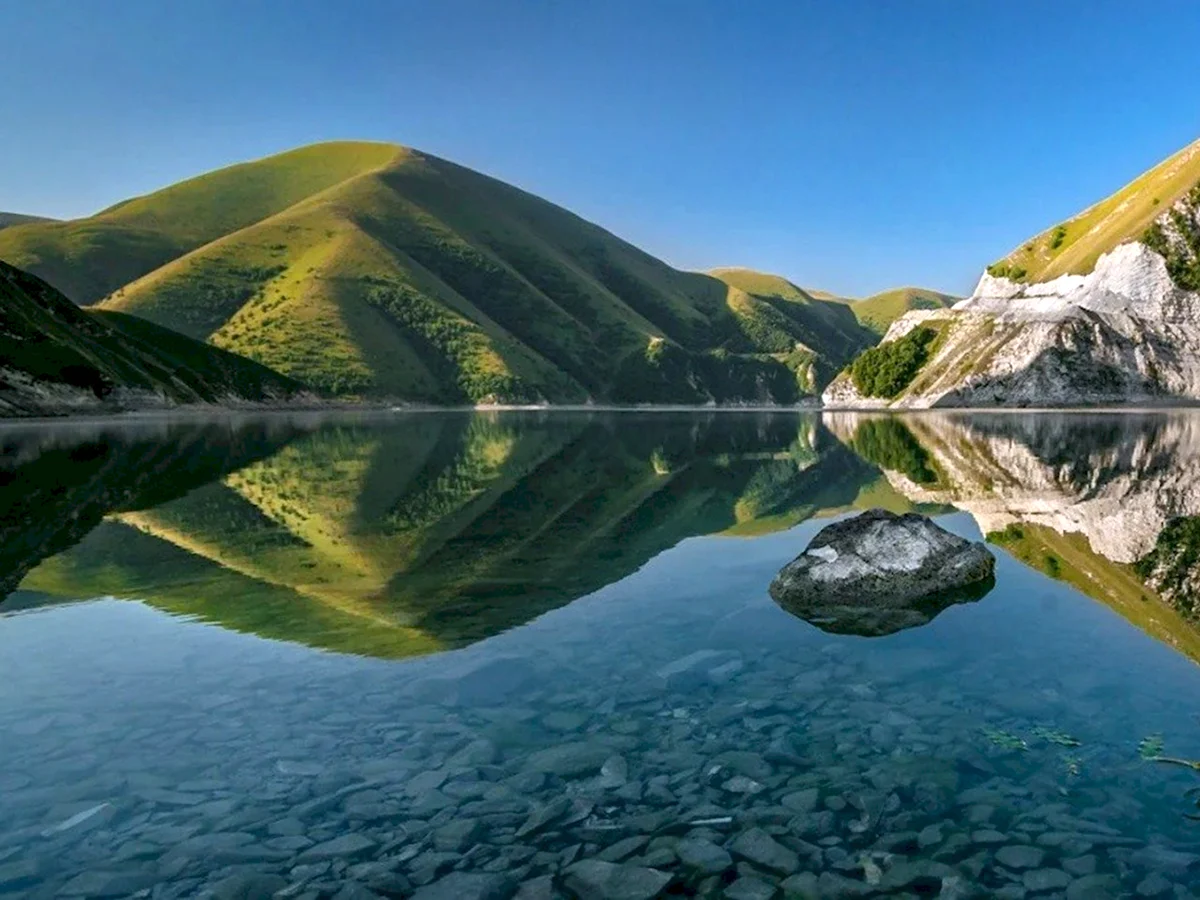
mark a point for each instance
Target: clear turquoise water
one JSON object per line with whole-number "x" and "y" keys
{"x": 505, "y": 645}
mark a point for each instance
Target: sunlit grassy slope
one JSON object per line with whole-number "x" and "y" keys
{"x": 1073, "y": 247}
{"x": 88, "y": 258}
{"x": 879, "y": 311}
{"x": 378, "y": 271}
{"x": 48, "y": 345}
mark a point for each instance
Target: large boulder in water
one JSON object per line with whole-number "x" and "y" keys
{"x": 879, "y": 573}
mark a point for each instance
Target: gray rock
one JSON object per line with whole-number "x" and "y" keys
{"x": 544, "y": 816}
{"x": 248, "y": 886}
{"x": 1020, "y": 856}
{"x": 750, "y": 888}
{"x": 703, "y": 857}
{"x": 107, "y": 884}
{"x": 691, "y": 668}
{"x": 537, "y": 889}
{"x": 623, "y": 849}
{"x": 1094, "y": 887}
{"x": 758, "y": 847}
{"x": 569, "y": 760}
{"x": 19, "y": 874}
{"x": 467, "y": 886}
{"x": 832, "y": 886}
{"x": 802, "y": 801}
{"x": 344, "y": 847}
{"x": 598, "y": 880}
{"x": 879, "y": 573}
{"x": 1163, "y": 859}
{"x": 352, "y": 890}
{"x": 1154, "y": 885}
{"x": 457, "y": 836}
{"x": 1080, "y": 865}
{"x": 1045, "y": 880}
{"x": 744, "y": 762}
{"x": 801, "y": 887}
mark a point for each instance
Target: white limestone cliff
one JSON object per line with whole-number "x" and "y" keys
{"x": 1123, "y": 333}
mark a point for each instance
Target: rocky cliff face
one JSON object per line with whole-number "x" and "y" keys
{"x": 1126, "y": 332}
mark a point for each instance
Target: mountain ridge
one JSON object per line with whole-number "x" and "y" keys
{"x": 375, "y": 271}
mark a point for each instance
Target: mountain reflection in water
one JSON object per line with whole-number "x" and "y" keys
{"x": 400, "y": 536}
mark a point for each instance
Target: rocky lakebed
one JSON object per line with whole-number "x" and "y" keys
{"x": 614, "y": 750}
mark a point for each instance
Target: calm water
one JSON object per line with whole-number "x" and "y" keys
{"x": 450, "y": 655}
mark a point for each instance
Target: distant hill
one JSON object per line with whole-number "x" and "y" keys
{"x": 373, "y": 270}
{"x": 781, "y": 312}
{"x": 879, "y": 311}
{"x": 55, "y": 357}
{"x": 1073, "y": 247}
{"x": 8, "y": 219}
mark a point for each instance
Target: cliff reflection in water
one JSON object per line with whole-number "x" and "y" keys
{"x": 1084, "y": 498}
{"x": 414, "y": 534}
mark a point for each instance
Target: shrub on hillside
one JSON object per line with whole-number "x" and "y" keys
{"x": 886, "y": 370}
{"x": 1183, "y": 254}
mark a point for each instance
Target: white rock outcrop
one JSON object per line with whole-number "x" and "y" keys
{"x": 1123, "y": 333}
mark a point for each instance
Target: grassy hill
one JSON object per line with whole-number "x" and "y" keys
{"x": 8, "y": 220}
{"x": 55, "y": 357}
{"x": 779, "y": 312}
{"x": 831, "y": 320}
{"x": 879, "y": 311}
{"x": 373, "y": 270}
{"x": 1073, "y": 246}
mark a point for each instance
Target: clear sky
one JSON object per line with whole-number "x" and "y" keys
{"x": 851, "y": 145}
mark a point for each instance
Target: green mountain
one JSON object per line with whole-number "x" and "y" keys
{"x": 440, "y": 530}
{"x": 879, "y": 311}
{"x": 55, "y": 357}
{"x": 373, "y": 270}
{"x": 828, "y": 316}
{"x": 1073, "y": 247}
{"x": 8, "y": 220}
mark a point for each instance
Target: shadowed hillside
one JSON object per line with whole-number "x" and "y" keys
{"x": 55, "y": 358}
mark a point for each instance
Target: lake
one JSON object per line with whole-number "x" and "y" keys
{"x": 458, "y": 655}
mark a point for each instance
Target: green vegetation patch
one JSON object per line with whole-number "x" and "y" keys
{"x": 1183, "y": 253}
{"x": 886, "y": 370}
{"x": 890, "y": 444}
{"x": 1172, "y": 565}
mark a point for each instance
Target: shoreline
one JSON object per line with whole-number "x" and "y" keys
{"x": 203, "y": 412}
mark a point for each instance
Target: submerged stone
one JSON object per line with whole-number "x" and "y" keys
{"x": 879, "y": 573}
{"x": 610, "y": 881}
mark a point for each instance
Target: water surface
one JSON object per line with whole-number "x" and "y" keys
{"x": 340, "y": 656}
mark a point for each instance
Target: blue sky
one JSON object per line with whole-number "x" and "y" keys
{"x": 851, "y": 145}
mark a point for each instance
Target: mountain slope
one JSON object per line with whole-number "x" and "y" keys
{"x": 55, "y": 357}
{"x": 88, "y": 258}
{"x": 373, "y": 270}
{"x": 8, "y": 220}
{"x": 1073, "y": 247}
{"x": 879, "y": 311}
{"x": 1124, "y": 330}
